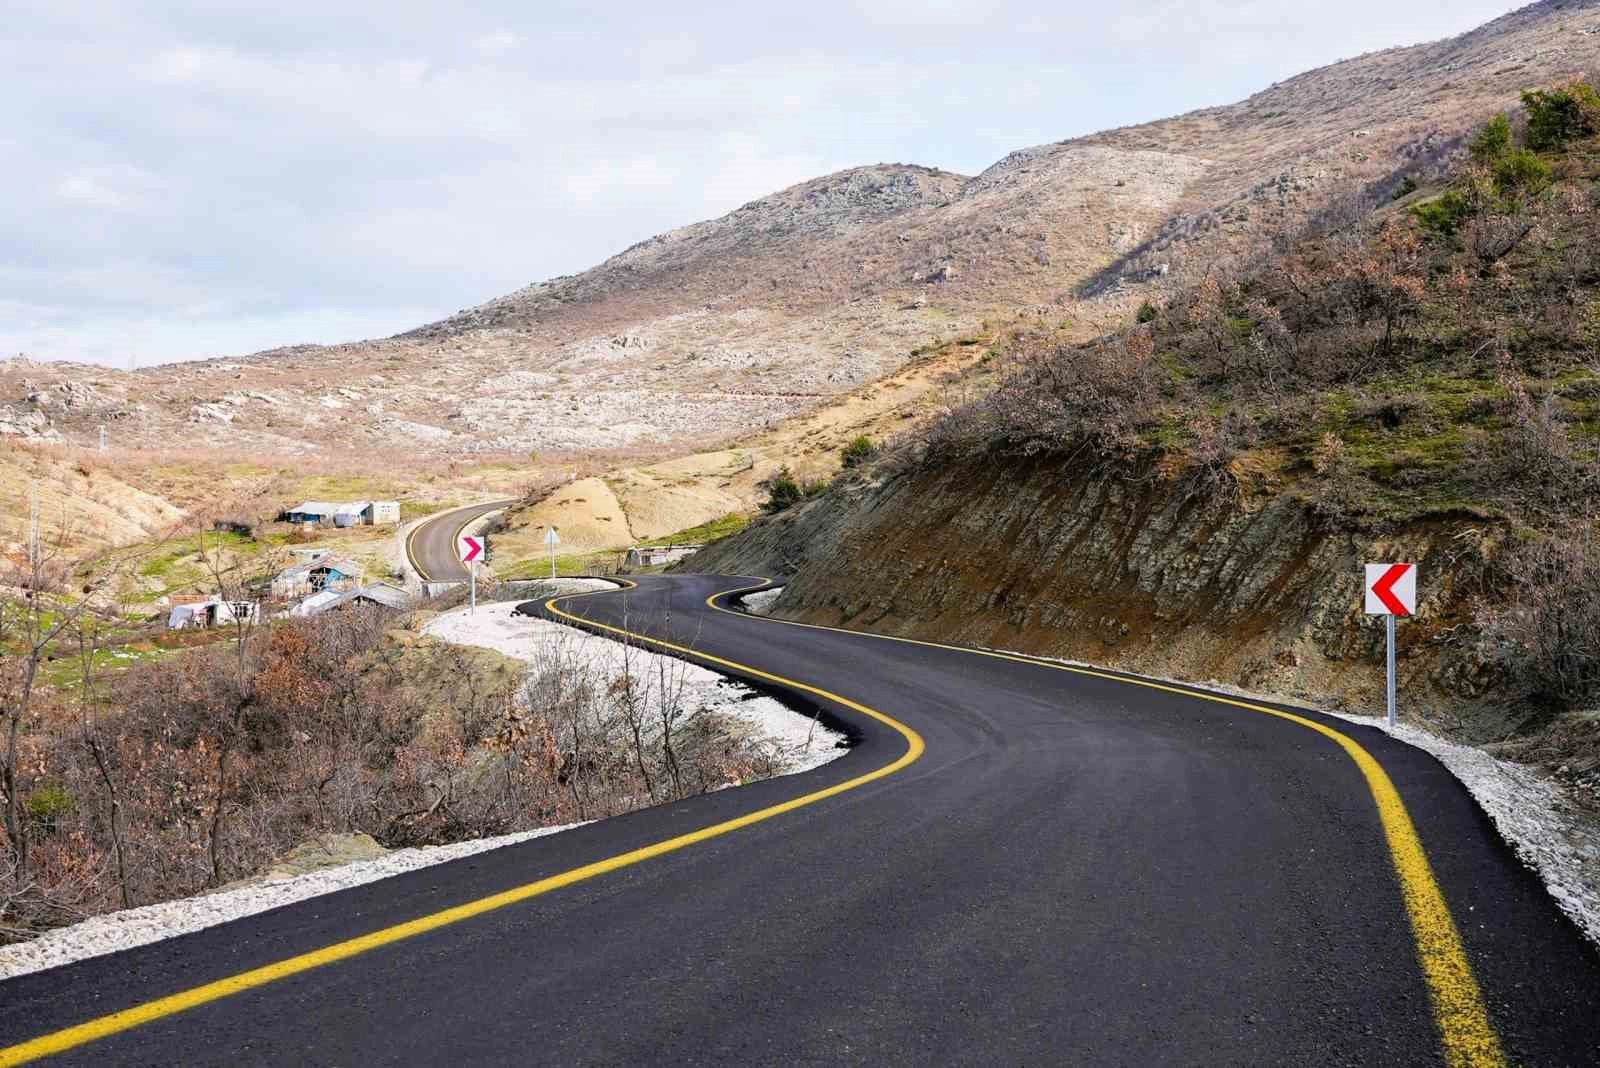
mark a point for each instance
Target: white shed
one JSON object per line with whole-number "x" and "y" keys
{"x": 383, "y": 512}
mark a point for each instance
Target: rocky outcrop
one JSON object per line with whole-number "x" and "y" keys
{"x": 1140, "y": 573}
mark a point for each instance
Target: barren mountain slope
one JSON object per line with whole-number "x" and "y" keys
{"x": 690, "y": 338}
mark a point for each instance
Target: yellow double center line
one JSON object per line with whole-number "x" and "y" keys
{"x": 101, "y": 1027}
{"x": 1466, "y": 1035}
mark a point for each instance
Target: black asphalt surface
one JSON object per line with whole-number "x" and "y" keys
{"x": 432, "y": 545}
{"x": 1076, "y": 871}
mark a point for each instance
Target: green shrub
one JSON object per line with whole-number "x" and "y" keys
{"x": 784, "y": 490}
{"x": 858, "y": 452}
{"x": 1491, "y": 142}
{"x": 1519, "y": 171}
{"x": 1407, "y": 186}
{"x": 1444, "y": 213}
{"x": 1146, "y": 313}
{"x": 46, "y": 806}
{"x": 1556, "y": 116}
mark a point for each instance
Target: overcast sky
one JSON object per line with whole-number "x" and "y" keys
{"x": 184, "y": 180}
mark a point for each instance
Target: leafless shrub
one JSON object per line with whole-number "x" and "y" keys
{"x": 1548, "y": 637}
{"x": 1491, "y": 237}
{"x": 1533, "y": 459}
{"x": 1061, "y": 399}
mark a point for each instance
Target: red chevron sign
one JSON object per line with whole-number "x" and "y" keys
{"x": 1391, "y": 589}
{"x": 469, "y": 548}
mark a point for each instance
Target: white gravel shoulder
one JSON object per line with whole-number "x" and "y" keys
{"x": 129, "y": 928}
{"x": 760, "y": 604}
{"x": 798, "y": 742}
{"x": 1533, "y": 815}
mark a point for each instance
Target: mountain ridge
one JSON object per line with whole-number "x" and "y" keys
{"x": 709, "y": 331}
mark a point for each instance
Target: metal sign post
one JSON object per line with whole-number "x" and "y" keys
{"x": 1391, "y": 591}
{"x": 470, "y": 550}
{"x": 1389, "y": 628}
{"x": 552, "y": 539}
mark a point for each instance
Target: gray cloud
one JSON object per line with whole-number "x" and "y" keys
{"x": 197, "y": 179}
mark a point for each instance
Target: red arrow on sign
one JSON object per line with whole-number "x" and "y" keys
{"x": 1383, "y": 589}
{"x": 474, "y": 549}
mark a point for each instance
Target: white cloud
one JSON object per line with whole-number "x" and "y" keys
{"x": 190, "y": 178}
{"x": 114, "y": 188}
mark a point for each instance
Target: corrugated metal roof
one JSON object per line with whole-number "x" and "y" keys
{"x": 339, "y": 564}
{"x": 378, "y": 593}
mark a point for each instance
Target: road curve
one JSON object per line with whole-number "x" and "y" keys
{"x": 431, "y": 545}
{"x": 1015, "y": 863}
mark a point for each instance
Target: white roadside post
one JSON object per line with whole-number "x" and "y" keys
{"x": 469, "y": 548}
{"x": 1391, "y": 590}
{"x": 552, "y": 539}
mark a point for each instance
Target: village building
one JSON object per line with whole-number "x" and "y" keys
{"x": 657, "y": 555}
{"x": 322, "y": 572}
{"x": 210, "y": 611}
{"x": 343, "y": 513}
{"x": 379, "y": 594}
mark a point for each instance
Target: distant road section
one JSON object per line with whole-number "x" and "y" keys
{"x": 431, "y": 546}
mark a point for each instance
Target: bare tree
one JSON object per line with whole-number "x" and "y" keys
{"x": 32, "y": 624}
{"x": 91, "y": 732}
{"x": 239, "y": 582}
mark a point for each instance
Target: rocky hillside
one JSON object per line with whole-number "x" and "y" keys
{"x": 1194, "y": 495}
{"x": 698, "y": 335}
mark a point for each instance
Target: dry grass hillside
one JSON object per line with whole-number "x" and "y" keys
{"x": 695, "y": 337}
{"x": 651, "y": 502}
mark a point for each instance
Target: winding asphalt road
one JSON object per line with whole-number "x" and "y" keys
{"x": 431, "y": 545}
{"x": 1016, "y": 863}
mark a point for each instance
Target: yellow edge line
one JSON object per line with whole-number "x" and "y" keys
{"x": 416, "y": 565}
{"x": 1466, "y": 1035}
{"x": 113, "y": 1023}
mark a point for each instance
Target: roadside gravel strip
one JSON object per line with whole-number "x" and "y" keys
{"x": 1531, "y": 814}
{"x": 760, "y": 604}
{"x": 797, "y": 741}
{"x": 117, "y": 931}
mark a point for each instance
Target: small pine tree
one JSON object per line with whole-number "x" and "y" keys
{"x": 1492, "y": 141}
{"x": 858, "y": 452}
{"x": 1556, "y": 116}
{"x": 1519, "y": 172}
{"x": 1146, "y": 313}
{"x": 782, "y": 490}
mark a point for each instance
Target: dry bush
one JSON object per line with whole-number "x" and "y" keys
{"x": 1059, "y": 399}
{"x": 1533, "y": 460}
{"x": 171, "y": 778}
{"x": 1548, "y": 637}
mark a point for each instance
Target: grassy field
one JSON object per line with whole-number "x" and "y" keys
{"x": 727, "y": 525}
